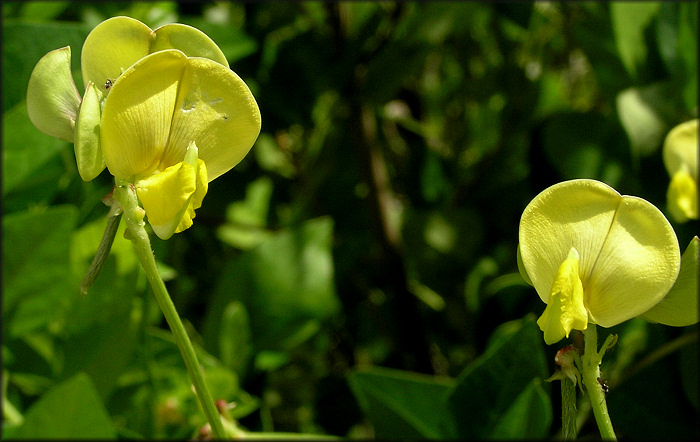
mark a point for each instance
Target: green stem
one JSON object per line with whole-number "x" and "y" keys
{"x": 591, "y": 360}
{"x": 568, "y": 409}
{"x": 125, "y": 194}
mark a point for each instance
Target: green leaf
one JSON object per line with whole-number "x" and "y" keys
{"x": 529, "y": 416}
{"x": 629, "y": 20}
{"x": 103, "y": 351}
{"x": 284, "y": 283}
{"x": 403, "y": 405}
{"x": 490, "y": 388}
{"x": 680, "y": 305}
{"x": 25, "y": 43}
{"x": 234, "y": 338}
{"x": 584, "y": 145}
{"x": 644, "y": 113}
{"x": 31, "y": 160}
{"x": 70, "y": 410}
{"x": 246, "y": 220}
{"x": 36, "y": 267}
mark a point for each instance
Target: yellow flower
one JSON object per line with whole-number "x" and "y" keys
{"x": 163, "y": 105}
{"x": 680, "y": 154}
{"x": 161, "y": 110}
{"x": 595, "y": 256}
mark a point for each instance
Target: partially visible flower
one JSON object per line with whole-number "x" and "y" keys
{"x": 680, "y": 154}
{"x": 595, "y": 256}
{"x": 161, "y": 110}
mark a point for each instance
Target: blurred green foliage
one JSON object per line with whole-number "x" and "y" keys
{"x": 356, "y": 274}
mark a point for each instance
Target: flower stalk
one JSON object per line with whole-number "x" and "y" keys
{"x": 125, "y": 195}
{"x": 591, "y": 360}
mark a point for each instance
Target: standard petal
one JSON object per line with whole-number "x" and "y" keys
{"x": 112, "y": 47}
{"x": 680, "y": 149}
{"x": 166, "y": 195}
{"x": 191, "y": 41}
{"x": 680, "y": 306}
{"x": 636, "y": 266}
{"x": 215, "y": 109}
{"x": 575, "y": 213}
{"x": 138, "y": 112}
{"x": 88, "y": 153}
{"x": 52, "y": 98}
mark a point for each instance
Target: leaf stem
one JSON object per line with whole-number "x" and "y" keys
{"x": 591, "y": 360}
{"x": 568, "y": 409}
{"x": 125, "y": 194}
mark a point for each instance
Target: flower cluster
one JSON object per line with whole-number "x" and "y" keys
{"x": 161, "y": 110}
{"x": 595, "y": 256}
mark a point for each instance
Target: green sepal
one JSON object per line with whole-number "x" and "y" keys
{"x": 88, "y": 152}
{"x": 52, "y": 98}
{"x": 680, "y": 305}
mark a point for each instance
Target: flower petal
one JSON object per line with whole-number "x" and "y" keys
{"x": 629, "y": 252}
{"x": 680, "y": 149}
{"x": 576, "y": 213}
{"x": 637, "y": 265}
{"x": 112, "y": 47}
{"x": 191, "y": 41}
{"x": 196, "y": 199}
{"x": 680, "y": 306}
{"x": 137, "y": 114}
{"x": 88, "y": 152}
{"x": 215, "y": 109}
{"x": 165, "y": 196}
{"x": 52, "y": 98}
{"x": 565, "y": 310}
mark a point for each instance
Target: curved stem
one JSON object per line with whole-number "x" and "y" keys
{"x": 591, "y": 373}
{"x": 125, "y": 194}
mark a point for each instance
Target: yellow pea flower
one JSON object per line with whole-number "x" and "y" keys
{"x": 680, "y": 154}
{"x": 56, "y": 108}
{"x": 161, "y": 110}
{"x": 595, "y": 256}
{"x": 171, "y": 124}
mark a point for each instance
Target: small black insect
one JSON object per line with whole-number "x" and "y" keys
{"x": 108, "y": 84}
{"x": 604, "y": 386}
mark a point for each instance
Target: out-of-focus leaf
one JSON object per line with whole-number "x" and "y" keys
{"x": 642, "y": 118}
{"x": 665, "y": 417}
{"x": 36, "y": 267}
{"x": 70, "y": 410}
{"x": 490, "y": 386}
{"x": 31, "y": 160}
{"x": 688, "y": 51}
{"x": 629, "y": 20}
{"x": 24, "y": 43}
{"x": 246, "y": 220}
{"x": 689, "y": 367}
{"x": 390, "y": 69}
{"x": 103, "y": 351}
{"x": 284, "y": 283}
{"x": 234, "y": 338}
{"x": 43, "y": 10}
{"x": 584, "y": 145}
{"x": 529, "y": 417}
{"x": 403, "y": 405}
